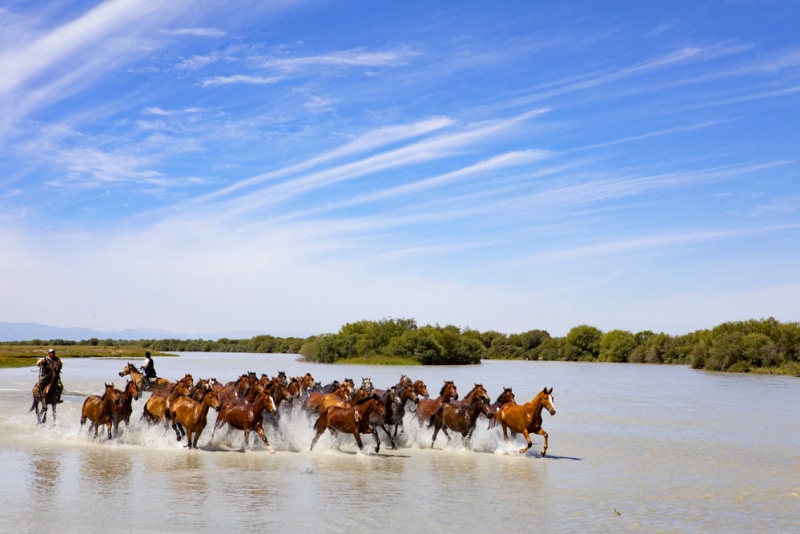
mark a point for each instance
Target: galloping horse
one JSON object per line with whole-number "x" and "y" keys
{"x": 396, "y": 408}
{"x": 458, "y": 418}
{"x": 50, "y": 395}
{"x": 427, "y": 407}
{"x": 157, "y": 406}
{"x": 157, "y": 385}
{"x": 301, "y": 385}
{"x": 477, "y": 392}
{"x": 247, "y": 416}
{"x": 331, "y": 400}
{"x": 314, "y": 400}
{"x": 100, "y": 410}
{"x": 122, "y": 407}
{"x": 353, "y": 421}
{"x": 527, "y": 418}
{"x": 191, "y": 417}
{"x": 506, "y": 397}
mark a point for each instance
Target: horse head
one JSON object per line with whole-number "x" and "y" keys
{"x": 420, "y": 388}
{"x": 548, "y": 401}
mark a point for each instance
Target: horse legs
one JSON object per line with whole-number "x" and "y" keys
{"x": 358, "y": 440}
{"x": 541, "y": 432}
{"x": 260, "y": 430}
{"x": 377, "y": 439}
{"x": 528, "y": 439}
{"x": 109, "y": 426}
{"x": 316, "y": 437}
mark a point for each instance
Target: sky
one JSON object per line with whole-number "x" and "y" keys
{"x": 288, "y": 167}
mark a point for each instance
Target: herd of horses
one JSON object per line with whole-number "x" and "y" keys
{"x": 250, "y": 402}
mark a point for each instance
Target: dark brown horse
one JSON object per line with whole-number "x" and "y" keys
{"x": 50, "y": 395}
{"x": 527, "y": 418}
{"x": 506, "y": 397}
{"x": 459, "y": 418}
{"x": 477, "y": 392}
{"x": 354, "y": 420}
{"x": 394, "y": 400}
{"x": 190, "y": 417}
{"x": 427, "y": 407}
{"x": 246, "y": 416}
{"x": 123, "y": 406}
{"x": 100, "y": 410}
{"x": 158, "y": 384}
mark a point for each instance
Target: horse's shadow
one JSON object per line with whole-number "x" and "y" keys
{"x": 553, "y": 457}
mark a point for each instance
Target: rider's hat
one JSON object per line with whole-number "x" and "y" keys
{"x": 51, "y": 351}
{"x": 147, "y": 353}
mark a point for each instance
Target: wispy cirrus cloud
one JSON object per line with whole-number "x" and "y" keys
{"x": 344, "y": 58}
{"x": 196, "y": 32}
{"x": 241, "y": 79}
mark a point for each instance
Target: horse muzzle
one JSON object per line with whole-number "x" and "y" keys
{"x": 552, "y": 411}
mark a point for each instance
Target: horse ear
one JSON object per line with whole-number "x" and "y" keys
{"x": 550, "y": 392}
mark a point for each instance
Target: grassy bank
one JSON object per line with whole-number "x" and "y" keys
{"x": 28, "y": 355}
{"x": 379, "y": 360}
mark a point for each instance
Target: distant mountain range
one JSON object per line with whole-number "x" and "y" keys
{"x": 30, "y": 331}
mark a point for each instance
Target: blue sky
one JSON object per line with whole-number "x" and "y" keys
{"x": 288, "y": 167}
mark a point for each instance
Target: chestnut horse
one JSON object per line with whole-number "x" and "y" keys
{"x": 122, "y": 407}
{"x": 158, "y": 384}
{"x": 190, "y": 417}
{"x": 100, "y": 410}
{"x": 314, "y": 401}
{"x": 427, "y": 407}
{"x": 157, "y": 406}
{"x": 247, "y": 416}
{"x": 459, "y": 418}
{"x": 527, "y": 418}
{"x": 354, "y": 420}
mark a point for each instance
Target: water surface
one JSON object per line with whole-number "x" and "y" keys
{"x": 632, "y": 448}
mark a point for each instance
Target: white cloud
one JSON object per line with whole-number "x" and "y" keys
{"x": 240, "y": 78}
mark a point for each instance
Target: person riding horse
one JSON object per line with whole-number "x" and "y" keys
{"x": 149, "y": 369}
{"x": 47, "y": 366}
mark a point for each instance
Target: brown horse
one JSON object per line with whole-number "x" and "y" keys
{"x": 157, "y": 406}
{"x": 300, "y": 386}
{"x": 354, "y": 420}
{"x": 427, "y": 407}
{"x": 50, "y": 396}
{"x": 100, "y": 410}
{"x": 314, "y": 400}
{"x": 458, "y": 418}
{"x": 477, "y": 392}
{"x": 246, "y": 416}
{"x": 506, "y": 397}
{"x": 158, "y": 385}
{"x": 190, "y": 417}
{"x": 420, "y": 388}
{"x": 331, "y": 399}
{"x": 122, "y": 407}
{"x": 527, "y": 418}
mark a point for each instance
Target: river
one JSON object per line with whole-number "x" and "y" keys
{"x": 632, "y": 448}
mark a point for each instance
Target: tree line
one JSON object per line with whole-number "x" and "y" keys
{"x": 765, "y": 345}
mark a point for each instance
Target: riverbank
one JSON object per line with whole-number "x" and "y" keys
{"x": 28, "y": 355}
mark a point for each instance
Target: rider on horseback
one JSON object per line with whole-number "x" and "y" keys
{"x": 149, "y": 369}
{"x": 47, "y": 366}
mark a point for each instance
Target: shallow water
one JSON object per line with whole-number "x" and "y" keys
{"x": 632, "y": 448}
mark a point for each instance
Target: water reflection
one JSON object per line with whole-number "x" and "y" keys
{"x": 105, "y": 471}
{"x": 45, "y": 471}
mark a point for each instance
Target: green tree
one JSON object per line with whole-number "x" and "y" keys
{"x": 616, "y": 346}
